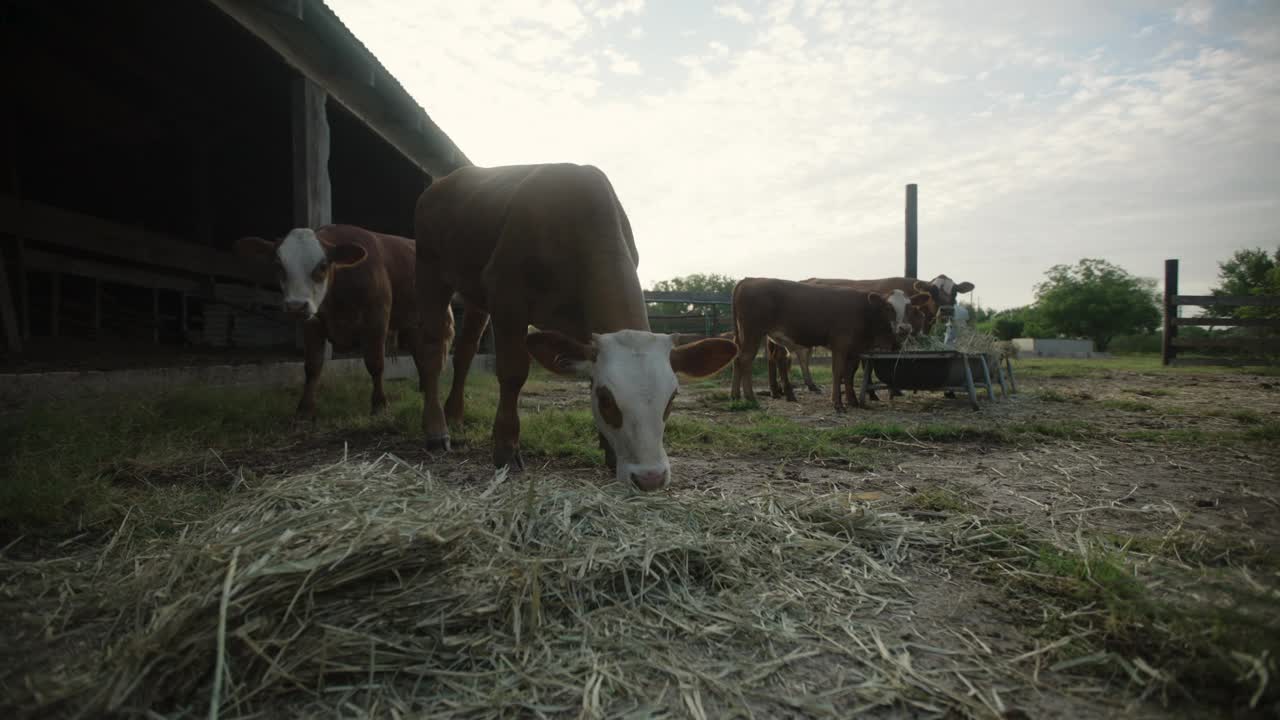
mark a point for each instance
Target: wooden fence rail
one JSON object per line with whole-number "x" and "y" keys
{"x": 1251, "y": 346}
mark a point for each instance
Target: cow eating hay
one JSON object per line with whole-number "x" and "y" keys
{"x": 375, "y": 588}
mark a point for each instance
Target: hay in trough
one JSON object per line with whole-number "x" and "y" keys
{"x": 372, "y": 589}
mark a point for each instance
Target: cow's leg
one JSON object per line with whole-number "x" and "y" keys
{"x": 784, "y": 363}
{"x": 436, "y": 319}
{"x": 839, "y": 363}
{"x": 313, "y": 339}
{"x": 375, "y": 358}
{"x": 804, "y": 355}
{"x": 771, "y": 355}
{"x": 851, "y": 369}
{"x": 513, "y": 369}
{"x": 748, "y": 345}
{"x": 464, "y": 351}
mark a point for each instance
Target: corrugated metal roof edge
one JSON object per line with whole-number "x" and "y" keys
{"x": 394, "y": 80}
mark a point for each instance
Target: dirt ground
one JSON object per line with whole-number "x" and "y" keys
{"x": 1100, "y": 477}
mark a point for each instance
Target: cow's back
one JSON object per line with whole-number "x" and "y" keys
{"x": 881, "y": 285}
{"x": 553, "y": 239}
{"x": 808, "y": 314}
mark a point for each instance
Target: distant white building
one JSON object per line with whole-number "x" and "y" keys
{"x": 1057, "y": 348}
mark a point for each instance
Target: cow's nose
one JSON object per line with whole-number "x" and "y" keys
{"x": 295, "y": 306}
{"x": 947, "y": 310}
{"x": 650, "y": 480}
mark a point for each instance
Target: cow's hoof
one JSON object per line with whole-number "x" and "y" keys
{"x": 840, "y": 410}
{"x": 791, "y": 397}
{"x": 439, "y": 443}
{"x": 949, "y": 395}
{"x": 511, "y": 459}
{"x": 814, "y": 388}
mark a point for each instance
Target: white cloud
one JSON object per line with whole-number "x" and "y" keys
{"x": 782, "y": 150}
{"x": 731, "y": 10}
{"x": 618, "y": 10}
{"x": 621, "y": 64}
{"x": 1196, "y": 13}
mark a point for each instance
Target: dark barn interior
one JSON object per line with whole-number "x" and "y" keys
{"x": 141, "y": 139}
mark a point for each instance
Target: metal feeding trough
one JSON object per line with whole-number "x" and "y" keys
{"x": 935, "y": 370}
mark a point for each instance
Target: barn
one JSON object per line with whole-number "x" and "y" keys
{"x": 141, "y": 139}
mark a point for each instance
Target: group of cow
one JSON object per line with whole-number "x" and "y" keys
{"x": 550, "y": 246}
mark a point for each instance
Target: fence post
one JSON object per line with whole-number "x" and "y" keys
{"x": 1167, "y": 350}
{"x": 911, "y": 267}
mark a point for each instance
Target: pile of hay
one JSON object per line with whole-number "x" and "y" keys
{"x": 968, "y": 340}
{"x": 372, "y": 589}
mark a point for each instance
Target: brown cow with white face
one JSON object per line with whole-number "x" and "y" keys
{"x": 351, "y": 287}
{"x": 942, "y": 290}
{"x": 549, "y": 246}
{"x": 848, "y": 322}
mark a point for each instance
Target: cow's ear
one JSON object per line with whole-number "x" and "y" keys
{"x": 561, "y": 354}
{"x": 964, "y": 287}
{"x": 346, "y": 254}
{"x": 255, "y": 248}
{"x": 704, "y": 357}
{"x": 922, "y": 298}
{"x": 875, "y": 299}
{"x": 920, "y": 286}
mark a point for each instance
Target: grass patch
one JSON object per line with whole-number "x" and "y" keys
{"x": 1152, "y": 392}
{"x": 1057, "y": 396}
{"x": 1267, "y": 431}
{"x": 1246, "y": 417}
{"x": 1128, "y": 405}
{"x": 938, "y": 499}
{"x": 1108, "y": 621}
{"x": 84, "y": 462}
{"x": 1198, "y": 548}
{"x": 1138, "y": 363}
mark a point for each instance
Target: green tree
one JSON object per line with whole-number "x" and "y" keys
{"x": 1097, "y": 300}
{"x": 697, "y": 282}
{"x": 1249, "y": 272}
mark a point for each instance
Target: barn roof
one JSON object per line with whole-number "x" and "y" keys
{"x": 311, "y": 37}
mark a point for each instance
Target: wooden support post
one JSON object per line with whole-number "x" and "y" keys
{"x": 312, "y": 193}
{"x": 312, "y": 203}
{"x": 8, "y": 316}
{"x": 55, "y": 301}
{"x": 912, "y": 230}
{"x": 1167, "y": 351}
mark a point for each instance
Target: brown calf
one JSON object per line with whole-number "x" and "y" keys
{"x": 351, "y": 287}
{"x": 548, "y": 246}
{"x": 848, "y": 322}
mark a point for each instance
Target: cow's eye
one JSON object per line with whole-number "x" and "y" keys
{"x": 322, "y": 270}
{"x": 670, "y": 403}
{"x": 609, "y": 409}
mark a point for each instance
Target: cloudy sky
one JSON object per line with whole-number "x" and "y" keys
{"x": 775, "y": 137}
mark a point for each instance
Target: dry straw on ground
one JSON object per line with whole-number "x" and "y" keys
{"x": 370, "y": 589}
